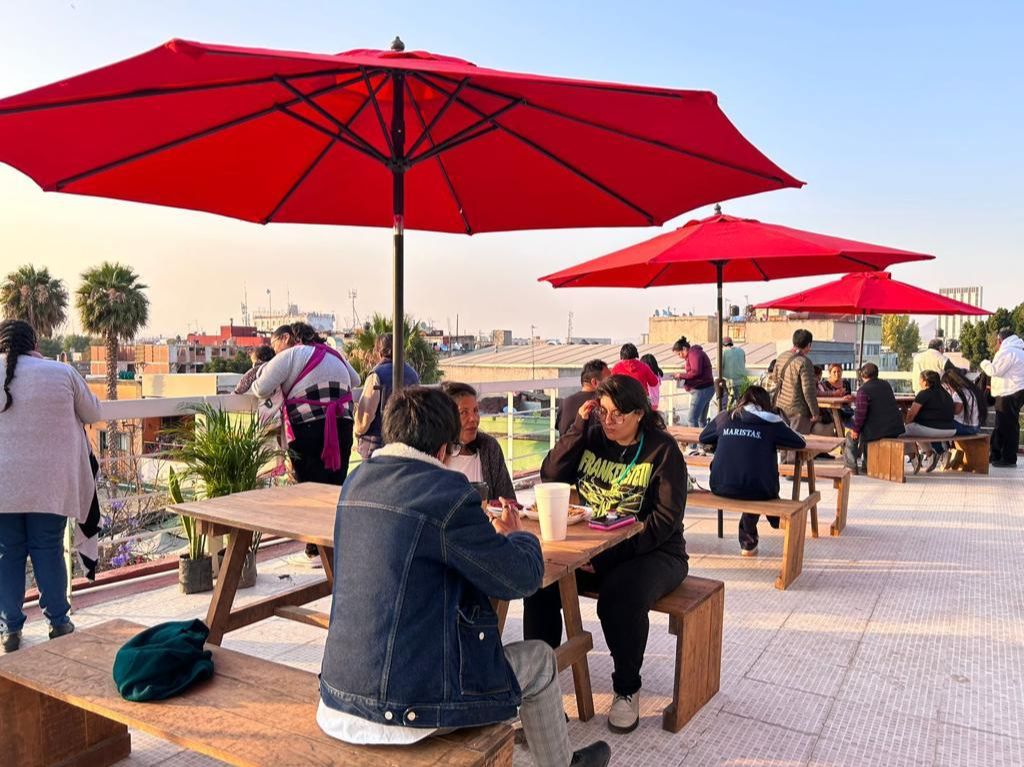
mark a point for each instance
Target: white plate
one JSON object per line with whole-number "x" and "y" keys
{"x": 573, "y": 520}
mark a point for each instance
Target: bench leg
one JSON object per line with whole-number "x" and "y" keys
{"x": 698, "y": 668}
{"x": 886, "y": 460}
{"x": 721, "y": 524}
{"x": 219, "y": 614}
{"x": 573, "y": 630}
{"x": 39, "y": 731}
{"x": 811, "y": 488}
{"x": 842, "y": 504}
{"x": 976, "y": 454}
{"x": 792, "y": 549}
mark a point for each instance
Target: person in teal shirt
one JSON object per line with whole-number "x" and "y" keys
{"x": 734, "y": 368}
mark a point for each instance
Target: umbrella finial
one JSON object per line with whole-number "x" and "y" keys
{"x": 397, "y": 45}
{"x": 718, "y": 209}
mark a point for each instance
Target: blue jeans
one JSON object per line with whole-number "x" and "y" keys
{"x": 40, "y": 536}
{"x": 700, "y": 400}
{"x": 965, "y": 431}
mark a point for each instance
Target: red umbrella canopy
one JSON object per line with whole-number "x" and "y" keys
{"x": 747, "y": 250}
{"x": 279, "y": 136}
{"x": 871, "y": 293}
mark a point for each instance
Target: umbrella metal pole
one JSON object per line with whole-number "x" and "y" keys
{"x": 398, "y": 208}
{"x": 863, "y": 326}
{"x": 720, "y": 381}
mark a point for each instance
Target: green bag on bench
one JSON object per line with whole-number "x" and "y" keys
{"x": 162, "y": 661}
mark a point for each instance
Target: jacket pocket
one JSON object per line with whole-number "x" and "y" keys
{"x": 483, "y": 669}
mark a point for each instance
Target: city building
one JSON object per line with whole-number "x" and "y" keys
{"x": 177, "y": 355}
{"x": 268, "y": 320}
{"x": 950, "y": 325}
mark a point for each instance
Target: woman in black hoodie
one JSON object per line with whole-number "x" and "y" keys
{"x": 629, "y": 465}
{"x": 746, "y": 462}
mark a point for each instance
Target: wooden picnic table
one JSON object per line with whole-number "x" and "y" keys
{"x": 816, "y": 443}
{"x": 306, "y": 512}
{"x": 836, "y": 405}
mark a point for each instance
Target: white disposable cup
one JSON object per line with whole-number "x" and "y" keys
{"x": 553, "y": 509}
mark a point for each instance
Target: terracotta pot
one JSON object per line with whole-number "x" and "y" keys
{"x": 195, "y": 575}
{"x": 248, "y": 577}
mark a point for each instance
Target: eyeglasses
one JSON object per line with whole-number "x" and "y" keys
{"x": 612, "y": 417}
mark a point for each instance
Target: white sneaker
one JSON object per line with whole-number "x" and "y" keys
{"x": 625, "y": 713}
{"x": 748, "y": 552}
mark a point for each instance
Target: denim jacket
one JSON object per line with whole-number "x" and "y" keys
{"x": 413, "y": 640}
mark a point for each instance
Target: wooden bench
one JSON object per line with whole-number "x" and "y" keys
{"x": 886, "y": 457}
{"x": 841, "y": 478}
{"x": 695, "y": 611}
{"x": 59, "y": 706}
{"x": 793, "y": 516}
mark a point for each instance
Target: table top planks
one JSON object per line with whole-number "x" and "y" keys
{"x": 231, "y": 717}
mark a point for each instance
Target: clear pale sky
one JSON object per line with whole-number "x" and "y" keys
{"x": 904, "y": 119}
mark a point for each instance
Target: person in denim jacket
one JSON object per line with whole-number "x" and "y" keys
{"x": 413, "y": 648}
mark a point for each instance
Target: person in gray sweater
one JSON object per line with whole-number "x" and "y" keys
{"x": 45, "y": 476}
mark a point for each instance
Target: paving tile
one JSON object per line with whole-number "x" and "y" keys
{"x": 958, "y": 746}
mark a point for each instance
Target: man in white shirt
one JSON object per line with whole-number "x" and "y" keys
{"x": 1006, "y": 369}
{"x": 932, "y": 358}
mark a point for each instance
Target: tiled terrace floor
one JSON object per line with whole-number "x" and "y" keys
{"x": 901, "y": 644}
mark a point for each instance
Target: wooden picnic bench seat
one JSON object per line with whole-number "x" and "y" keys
{"x": 793, "y": 516}
{"x": 886, "y": 457}
{"x": 695, "y": 612}
{"x": 841, "y": 478}
{"x": 59, "y": 706}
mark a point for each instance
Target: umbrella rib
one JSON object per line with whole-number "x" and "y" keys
{"x": 551, "y": 156}
{"x": 366, "y": 102}
{"x": 860, "y": 262}
{"x": 462, "y": 136}
{"x": 440, "y": 161}
{"x": 371, "y": 152}
{"x": 436, "y": 118}
{"x": 762, "y": 272}
{"x": 294, "y": 187}
{"x": 625, "y": 134}
{"x": 169, "y": 91}
{"x": 656, "y": 277}
{"x": 342, "y": 127}
{"x": 59, "y": 186}
{"x": 376, "y": 108}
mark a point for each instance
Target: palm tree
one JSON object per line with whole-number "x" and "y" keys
{"x": 113, "y": 306}
{"x": 34, "y": 296}
{"x": 418, "y": 352}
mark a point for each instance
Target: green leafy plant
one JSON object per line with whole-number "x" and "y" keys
{"x": 196, "y": 540}
{"x": 223, "y": 453}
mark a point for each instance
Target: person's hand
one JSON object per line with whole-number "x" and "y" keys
{"x": 587, "y": 408}
{"x": 815, "y": 419}
{"x": 508, "y": 522}
{"x": 588, "y": 568}
{"x": 36, "y": 354}
{"x": 853, "y": 434}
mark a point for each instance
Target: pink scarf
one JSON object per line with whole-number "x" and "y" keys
{"x": 331, "y": 454}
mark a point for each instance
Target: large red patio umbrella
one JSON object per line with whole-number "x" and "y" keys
{"x": 873, "y": 293}
{"x": 723, "y": 248}
{"x": 379, "y": 138}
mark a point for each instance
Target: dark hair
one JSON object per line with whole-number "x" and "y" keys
{"x": 629, "y": 396}
{"x": 263, "y": 353}
{"x": 386, "y": 345}
{"x": 802, "y": 338}
{"x": 628, "y": 352}
{"x": 454, "y": 389}
{"x": 422, "y": 418}
{"x": 869, "y": 370}
{"x": 819, "y": 370}
{"x": 1004, "y": 332}
{"x": 937, "y": 343}
{"x": 757, "y": 396}
{"x": 652, "y": 362}
{"x": 283, "y": 330}
{"x": 16, "y": 338}
{"x": 931, "y": 379}
{"x": 962, "y": 386}
{"x": 306, "y": 334}
{"x": 593, "y": 369}
{"x": 772, "y": 364}
{"x": 681, "y": 344}
{"x": 834, "y": 365}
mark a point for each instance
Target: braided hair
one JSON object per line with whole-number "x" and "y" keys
{"x": 16, "y": 338}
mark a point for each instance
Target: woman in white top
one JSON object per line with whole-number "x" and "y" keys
{"x": 45, "y": 476}
{"x": 970, "y": 410}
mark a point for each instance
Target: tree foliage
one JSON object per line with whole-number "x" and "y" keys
{"x": 32, "y": 295}
{"x": 901, "y": 335}
{"x": 418, "y": 351}
{"x": 978, "y": 339}
{"x": 240, "y": 363}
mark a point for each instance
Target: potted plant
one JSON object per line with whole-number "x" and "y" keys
{"x": 224, "y": 453}
{"x": 195, "y": 568}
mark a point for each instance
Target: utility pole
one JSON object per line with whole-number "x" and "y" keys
{"x": 352, "y": 294}
{"x": 568, "y": 338}
{"x": 533, "y": 354}
{"x": 270, "y": 305}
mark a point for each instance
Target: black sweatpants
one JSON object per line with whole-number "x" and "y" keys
{"x": 1006, "y": 436}
{"x": 748, "y": 529}
{"x": 626, "y": 593}
{"x": 305, "y": 452}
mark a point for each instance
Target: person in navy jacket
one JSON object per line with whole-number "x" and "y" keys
{"x": 746, "y": 463}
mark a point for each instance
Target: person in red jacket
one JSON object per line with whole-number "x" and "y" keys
{"x": 696, "y": 379}
{"x": 630, "y": 364}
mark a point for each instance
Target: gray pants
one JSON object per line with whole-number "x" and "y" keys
{"x": 541, "y": 712}
{"x": 917, "y": 430}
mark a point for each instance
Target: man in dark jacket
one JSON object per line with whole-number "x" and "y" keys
{"x": 413, "y": 644}
{"x": 593, "y": 373}
{"x": 875, "y": 416}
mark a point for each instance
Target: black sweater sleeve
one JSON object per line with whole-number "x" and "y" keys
{"x": 562, "y": 460}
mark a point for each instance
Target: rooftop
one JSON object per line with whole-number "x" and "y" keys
{"x": 902, "y": 643}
